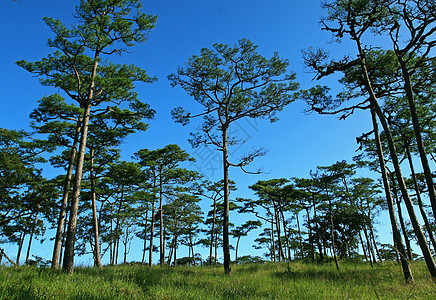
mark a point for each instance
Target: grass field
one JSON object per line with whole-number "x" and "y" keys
{"x": 356, "y": 280}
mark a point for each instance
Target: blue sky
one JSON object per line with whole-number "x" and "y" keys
{"x": 297, "y": 143}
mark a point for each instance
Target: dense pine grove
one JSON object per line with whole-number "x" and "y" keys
{"x": 101, "y": 203}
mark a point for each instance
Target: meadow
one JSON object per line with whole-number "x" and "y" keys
{"x": 299, "y": 280}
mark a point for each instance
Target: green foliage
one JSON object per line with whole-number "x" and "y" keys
{"x": 104, "y": 27}
{"x": 23, "y": 191}
{"x": 232, "y": 83}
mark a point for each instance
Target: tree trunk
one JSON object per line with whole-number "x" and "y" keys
{"x": 333, "y": 232}
{"x": 153, "y": 211}
{"x": 117, "y": 252}
{"x": 112, "y": 245}
{"x": 371, "y": 232}
{"x": 418, "y": 197}
{"x": 395, "y": 229}
{"x": 161, "y": 232}
{"x": 97, "y": 258}
{"x": 417, "y": 131}
{"x": 216, "y": 250}
{"x": 125, "y": 243}
{"x": 117, "y": 228}
{"x": 20, "y": 247}
{"x": 192, "y": 249}
{"x": 61, "y": 252}
{"x": 226, "y": 244}
{"x": 300, "y": 237}
{"x": 145, "y": 237}
{"x": 236, "y": 252}
{"x": 403, "y": 226}
{"x": 376, "y": 108}
{"x": 273, "y": 242}
{"x": 68, "y": 265}
{"x": 321, "y": 257}
{"x": 285, "y": 231}
{"x": 392, "y": 150}
{"x": 62, "y": 214}
{"x": 28, "y": 248}
{"x": 278, "y": 230}
{"x": 370, "y": 249}
{"x": 364, "y": 248}
{"x": 212, "y": 234}
{"x": 2, "y": 253}
{"x": 175, "y": 250}
{"x": 31, "y": 238}
{"x": 312, "y": 246}
{"x": 170, "y": 254}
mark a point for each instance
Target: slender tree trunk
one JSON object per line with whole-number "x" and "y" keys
{"x": 226, "y": 244}
{"x": 192, "y": 249}
{"x": 273, "y": 242}
{"x": 332, "y": 232}
{"x": 212, "y": 234}
{"x": 278, "y": 229}
{"x": 117, "y": 227}
{"x": 216, "y": 250}
{"x": 403, "y": 226}
{"x": 312, "y": 246}
{"x": 418, "y": 197}
{"x": 117, "y": 253}
{"x": 31, "y": 238}
{"x": 364, "y": 248}
{"x": 285, "y": 231}
{"x": 175, "y": 250}
{"x": 161, "y": 232}
{"x": 189, "y": 252}
{"x": 125, "y": 253}
{"x": 321, "y": 257}
{"x": 374, "y": 242}
{"x": 153, "y": 211}
{"x": 370, "y": 250}
{"x": 300, "y": 237}
{"x": 97, "y": 258}
{"x": 170, "y": 254}
{"x": 68, "y": 265}
{"x": 61, "y": 252}
{"x": 417, "y": 131}
{"x": 28, "y": 248}
{"x": 7, "y": 257}
{"x": 112, "y": 246}
{"x": 20, "y": 247}
{"x": 236, "y": 252}
{"x": 64, "y": 202}
{"x": 395, "y": 229}
{"x": 125, "y": 243}
{"x": 145, "y": 237}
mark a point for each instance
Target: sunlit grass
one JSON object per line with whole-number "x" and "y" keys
{"x": 355, "y": 280}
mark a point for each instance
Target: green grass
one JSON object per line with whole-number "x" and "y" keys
{"x": 356, "y": 280}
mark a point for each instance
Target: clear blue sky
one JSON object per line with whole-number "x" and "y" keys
{"x": 297, "y": 143}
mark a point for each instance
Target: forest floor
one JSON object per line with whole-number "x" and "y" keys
{"x": 355, "y": 280}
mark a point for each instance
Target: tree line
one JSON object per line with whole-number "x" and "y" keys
{"x": 108, "y": 201}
